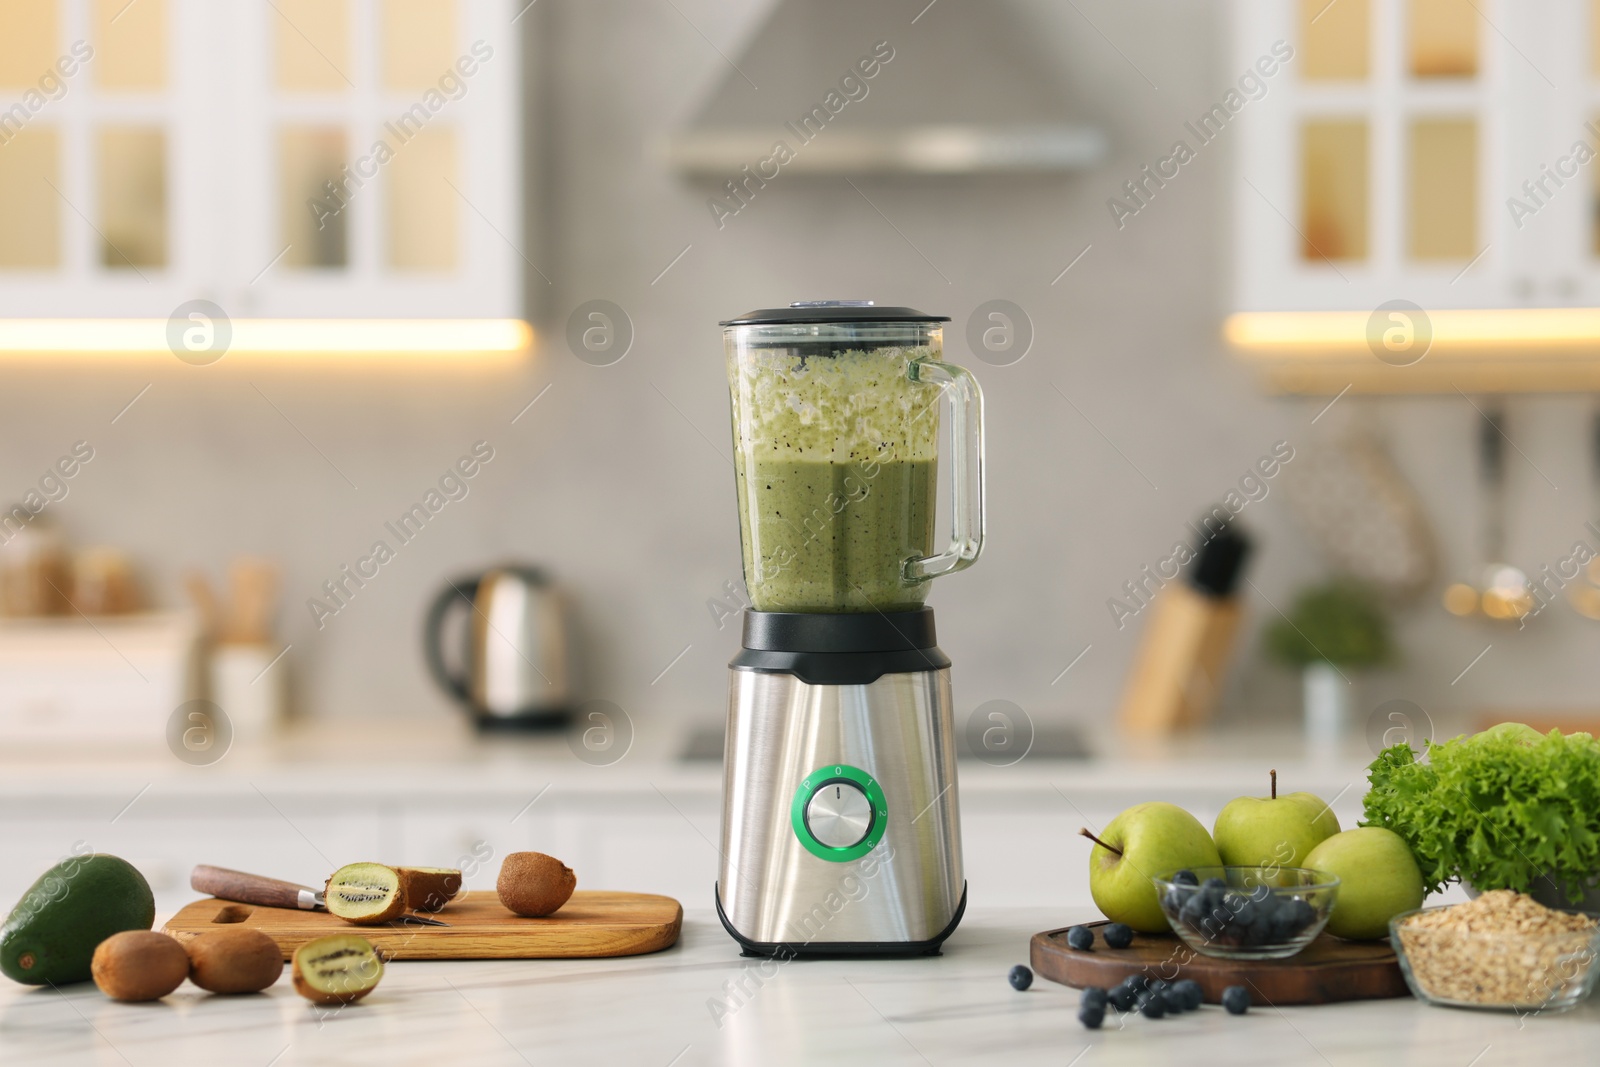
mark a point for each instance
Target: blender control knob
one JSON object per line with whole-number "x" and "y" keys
{"x": 839, "y": 814}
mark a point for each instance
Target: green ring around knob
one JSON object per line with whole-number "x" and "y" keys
{"x": 836, "y": 773}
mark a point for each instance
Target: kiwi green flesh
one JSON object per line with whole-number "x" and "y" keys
{"x": 362, "y": 891}
{"x": 350, "y": 966}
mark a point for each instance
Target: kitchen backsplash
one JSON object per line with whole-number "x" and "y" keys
{"x": 1125, "y": 421}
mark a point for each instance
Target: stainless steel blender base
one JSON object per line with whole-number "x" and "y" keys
{"x": 782, "y": 887}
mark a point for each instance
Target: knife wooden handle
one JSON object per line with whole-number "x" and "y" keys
{"x": 251, "y": 888}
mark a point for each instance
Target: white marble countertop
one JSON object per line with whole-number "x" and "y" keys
{"x": 653, "y": 1011}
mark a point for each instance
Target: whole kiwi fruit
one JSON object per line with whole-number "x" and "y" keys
{"x": 139, "y": 965}
{"x": 534, "y": 884}
{"x": 240, "y": 960}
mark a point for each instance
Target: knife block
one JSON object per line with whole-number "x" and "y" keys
{"x": 1181, "y": 664}
{"x": 1183, "y": 657}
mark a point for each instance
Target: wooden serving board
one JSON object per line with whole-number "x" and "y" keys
{"x": 592, "y": 923}
{"x": 1325, "y": 971}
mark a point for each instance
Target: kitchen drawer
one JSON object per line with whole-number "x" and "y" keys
{"x": 632, "y": 841}
{"x": 474, "y": 838}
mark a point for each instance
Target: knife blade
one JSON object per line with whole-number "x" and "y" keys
{"x": 246, "y": 888}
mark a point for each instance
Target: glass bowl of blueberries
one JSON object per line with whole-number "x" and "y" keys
{"x": 1247, "y": 913}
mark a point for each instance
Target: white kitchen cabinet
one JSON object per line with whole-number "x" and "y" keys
{"x": 626, "y": 840}
{"x": 165, "y": 848}
{"x": 649, "y": 827}
{"x": 657, "y": 848}
{"x": 1386, "y": 159}
{"x": 281, "y": 158}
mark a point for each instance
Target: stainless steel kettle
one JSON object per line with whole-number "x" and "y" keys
{"x": 515, "y": 669}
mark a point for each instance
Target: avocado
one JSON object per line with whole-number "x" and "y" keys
{"x": 51, "y": 935}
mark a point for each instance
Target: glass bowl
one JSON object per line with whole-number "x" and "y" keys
{"x": 1527, "y": 971}
{"x": 1247, "y": 913}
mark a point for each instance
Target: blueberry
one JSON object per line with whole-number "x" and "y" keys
{"x": 1091, "y": 1018}
{"x": 1286, "y": 924}
{"x": 1094, "y": 997}
{"x": 1185, "y": 878}
{"x": 1152, "y": 1005}
{"x": 1021, "y": 977}
{"x": 1214, "y": 926}
{"x": 1176, "y": 1003}
{"x": 1156, "y": 985}
{"x": 1301, "y": 915}
{"x": 1256, "y": 932}
{"x": 1081, "y": 938}
{"x": 1236, "y": 998}
{"x": 1193, "y": 910}
{"x": 1122, "y": 998}
{"x": 1193, "y": 996}
{"x": 1118, "y": 935}
{"x": 1137, "y": 982}
{"x": 1214, "y": 884}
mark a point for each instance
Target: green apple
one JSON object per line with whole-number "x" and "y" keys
{"x": 1142, "y": 843}
{"x": 1322, "y": 816}
{"x": 1273, "y": 831}
{"x": 1378, "y": 879}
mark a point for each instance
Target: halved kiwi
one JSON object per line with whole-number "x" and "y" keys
{"x": 429, "y": 888}
{"x": 337, "y": 969}
{"x": 365, "y": 893}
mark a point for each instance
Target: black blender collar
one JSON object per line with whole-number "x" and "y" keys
{"x": 814, "y": 312}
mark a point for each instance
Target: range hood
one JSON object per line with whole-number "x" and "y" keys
{"x": 953, "y": 90}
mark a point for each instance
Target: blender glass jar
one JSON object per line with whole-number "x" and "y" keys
{"x": 836, "y": 431}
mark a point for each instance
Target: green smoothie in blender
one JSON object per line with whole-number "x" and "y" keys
{"x": 836, "y": 455}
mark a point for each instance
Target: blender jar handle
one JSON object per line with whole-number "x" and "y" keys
{"x": 966, "y": 443}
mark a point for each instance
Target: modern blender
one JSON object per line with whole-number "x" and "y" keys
{"x": 840, "y": 825}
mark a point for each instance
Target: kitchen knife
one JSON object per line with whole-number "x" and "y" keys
{"x": 245, "y": 888}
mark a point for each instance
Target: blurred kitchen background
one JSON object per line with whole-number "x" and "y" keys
{"x": 1339, "y": 156}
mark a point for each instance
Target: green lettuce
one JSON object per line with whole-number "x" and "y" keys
{"x": 1502, "y": 809}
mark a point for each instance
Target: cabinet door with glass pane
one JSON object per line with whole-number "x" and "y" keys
{"x": 283, "y": 158}
{"x": 91, "y": 130}
{"x": 1380, "y": 163}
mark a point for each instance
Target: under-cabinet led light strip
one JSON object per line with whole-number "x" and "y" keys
{"x": 1285, "y": 332}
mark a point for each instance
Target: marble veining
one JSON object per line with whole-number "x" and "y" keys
{"x": 700, "y": 1003}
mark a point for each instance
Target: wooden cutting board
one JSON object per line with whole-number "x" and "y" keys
{"x": 592, "y": 923}
{"x": 1325, "y": 971}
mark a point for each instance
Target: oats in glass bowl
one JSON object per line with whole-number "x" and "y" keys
{"x": 1503, "y": 950}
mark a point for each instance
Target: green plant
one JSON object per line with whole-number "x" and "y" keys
{"x": 1342, "y": 623}
{"x": 1502, "y": 809}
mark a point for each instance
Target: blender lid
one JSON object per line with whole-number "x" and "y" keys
{"x": 808, "y": 312}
